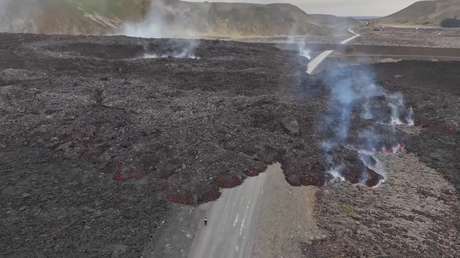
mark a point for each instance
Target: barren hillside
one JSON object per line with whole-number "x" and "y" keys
{"x": 68, "y": 16}
{"x": 432, "y": 13}
{"x": 209, "y": 19}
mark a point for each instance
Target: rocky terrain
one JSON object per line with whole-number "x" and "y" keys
{"x": 95, "y": 139}
{"x": 99, "y": 135}
{"x": 414, "y": 213}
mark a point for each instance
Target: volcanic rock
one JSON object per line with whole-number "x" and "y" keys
{"x": 291, "y": 125}
{"x": 228, "y": 181}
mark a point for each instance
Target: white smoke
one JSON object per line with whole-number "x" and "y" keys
{"x": 354, "y": 91}
{"x": 19, "y": 15}
{"x": 300, "y": 45}
{"x": 410, "y": 117}
{"x": 348, "y": 92}
{"x": 158, "y": 24}
{"x": 3, "y": 7}
{"x": 303, "y": 50}
{"x": 367, "y": 113}
{"x": 179, "y": 49}
{"x": 370, "y": 160}
{"x": 396, "y": 104}
{"x": 336, "y": 174}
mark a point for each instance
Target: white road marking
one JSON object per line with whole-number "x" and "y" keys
{"x": 236, "y": 220}
{"x": 315, "y": 62}
{"x": 352, "y": 38}
{"x": 229, "y": 232}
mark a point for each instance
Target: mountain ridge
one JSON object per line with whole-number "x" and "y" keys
{"x": 429, "y": 13}
{"x": 202, "y": 18}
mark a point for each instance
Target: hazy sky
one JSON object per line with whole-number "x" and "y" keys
{"x": 340, "y": 7}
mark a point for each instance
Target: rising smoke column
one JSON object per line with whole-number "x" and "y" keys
{"x": 19, "y": 16}
{"x": 361, "y": 118}
{"x": 3, "y": 7}
{"x": 300, "y": 44}
{"x": 303, "y": 50}
{"x": 164, "y": 21}
{"x": 6, "y": 21}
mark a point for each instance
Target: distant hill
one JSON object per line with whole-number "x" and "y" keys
{"x": 172, "y": 16}
{"x": 228, "y": 19}
{"x": 68, "y": 16}
{"x": 338, "y": 24}
{"x": 252, "y": 19}
{"x": 430, "y": 13}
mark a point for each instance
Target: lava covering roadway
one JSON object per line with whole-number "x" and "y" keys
{"x": 101, "y": 137}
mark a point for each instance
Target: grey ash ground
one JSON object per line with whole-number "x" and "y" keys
{"x": 96, "y": 141}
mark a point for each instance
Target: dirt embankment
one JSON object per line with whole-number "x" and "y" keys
{"x": 412, "y": 215}
{"x": 410, "y": 37}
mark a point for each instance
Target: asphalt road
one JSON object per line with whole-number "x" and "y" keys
{"x": 265, "y": 217}
{"x": 315, "y": 62}
{"x": 230, "y": 228}
{"x": 356, "y": 35}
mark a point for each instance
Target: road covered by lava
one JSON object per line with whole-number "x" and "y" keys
{"x": 99, "y": 136}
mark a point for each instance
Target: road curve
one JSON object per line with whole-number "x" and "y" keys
{"x": 356, "y": 35}
{"x": 315, "y": 62}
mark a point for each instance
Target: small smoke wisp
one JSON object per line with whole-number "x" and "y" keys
{"x": 180, "y": 49}
{"x": 156, "y": 25}
{"x": 301, "y": 46}
{"x": 303, "y": 50}
{"x": 19, "y": 16}
{"x": 361, "y": 118}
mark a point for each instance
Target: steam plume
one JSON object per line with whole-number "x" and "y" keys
{"x": 303, "y": 50}
{"x": 358, "y": 104}
{"x": 157, "y": 24}
{"x": 18, "y": 15}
